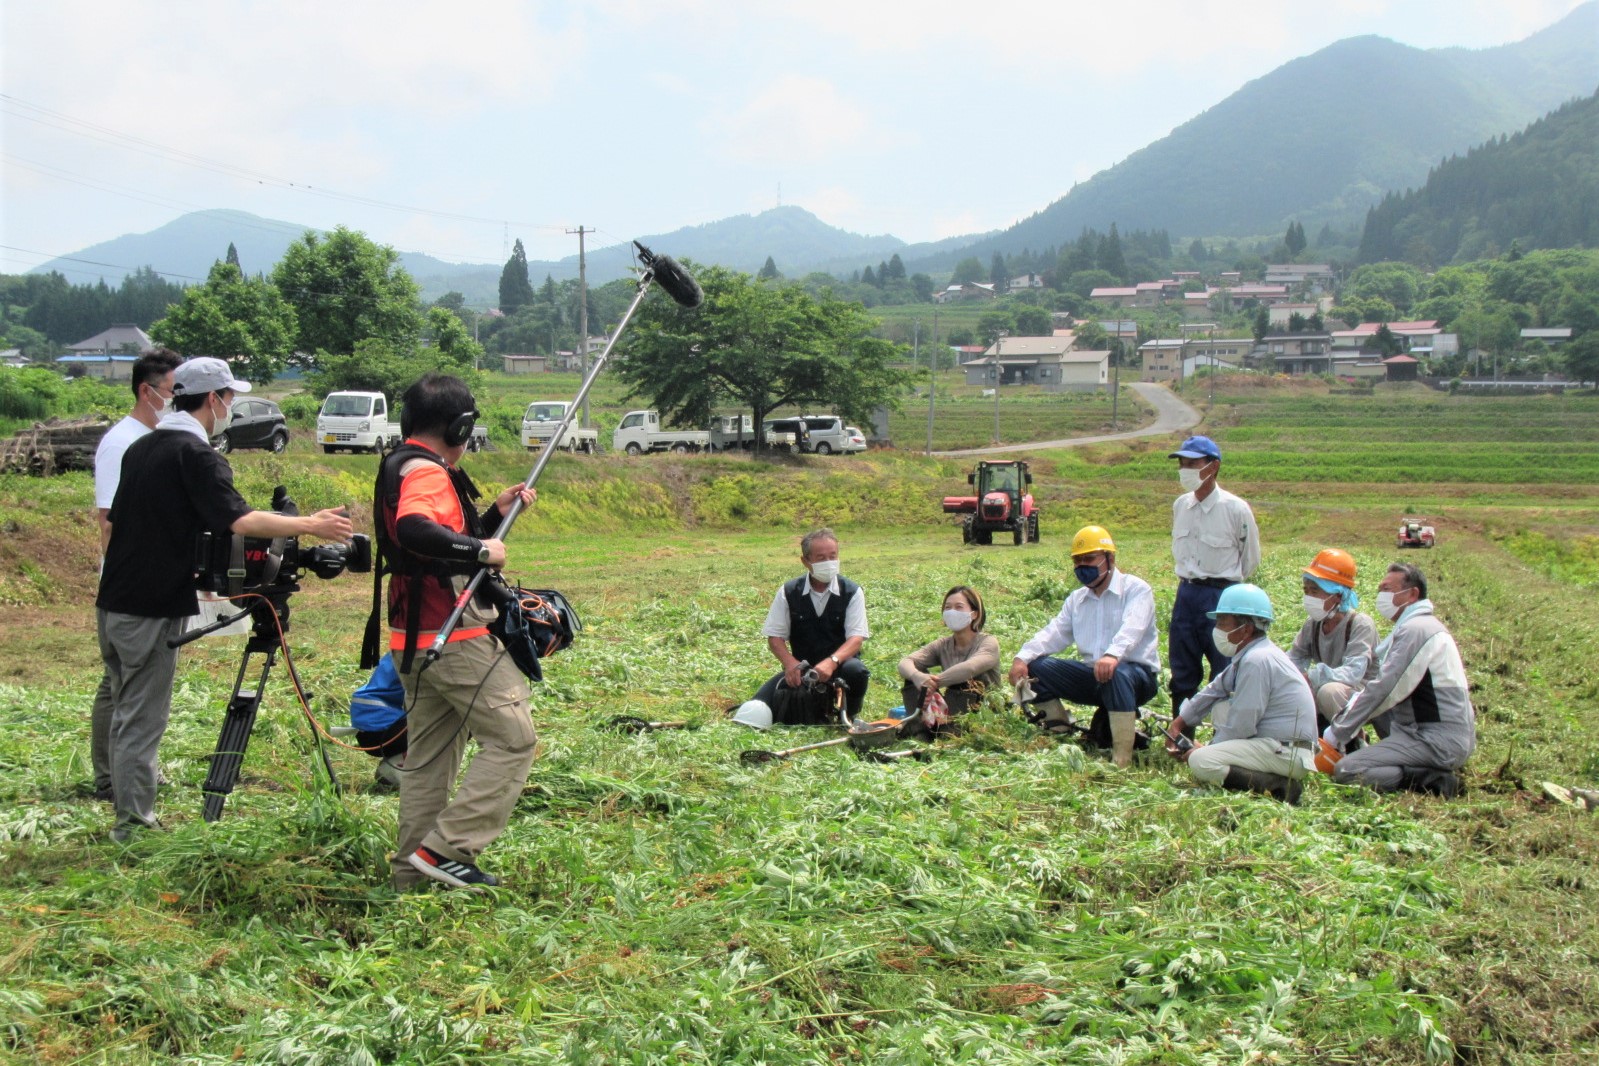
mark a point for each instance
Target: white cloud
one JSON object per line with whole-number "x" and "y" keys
{"x": 795, "y": 119}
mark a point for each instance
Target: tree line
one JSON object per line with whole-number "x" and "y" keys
{"x": 1534, "y": 189}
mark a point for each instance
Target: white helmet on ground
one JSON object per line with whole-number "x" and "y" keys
{"x": 755, "y": 714}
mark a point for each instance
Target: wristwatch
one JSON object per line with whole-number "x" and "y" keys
{"x": 836, "y": 660}
{"x": 483, "y": 554}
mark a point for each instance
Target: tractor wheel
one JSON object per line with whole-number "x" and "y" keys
{"x": 984, "y": 536}
{"x": 1019, "y": 534}
{"x": 1032, "y": 527}
{"x": 966, "y": 530}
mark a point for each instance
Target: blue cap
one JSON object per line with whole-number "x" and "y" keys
{"x": 1197, "y": 448}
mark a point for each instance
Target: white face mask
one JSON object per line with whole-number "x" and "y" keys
{"x": 225, "y": 421}
{"x": 160, "y": 405}
{"x": 825, "y": 570}
{"x": 1316, "y": 607}
{"x": 1219, "y": 636}
{"x": 1386, "y": 606}
{"x": 957, "y": 620}
{"x": 1190, "y": 478}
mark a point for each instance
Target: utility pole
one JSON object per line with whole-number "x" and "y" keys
{"x": 583, "y": 315}
{"x": 1116, "y": 384}
{"x": 932, "y": 381}
{"x": 999, "y": 373}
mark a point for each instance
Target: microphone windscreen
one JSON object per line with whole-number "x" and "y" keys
{"x": 677, "y": 282}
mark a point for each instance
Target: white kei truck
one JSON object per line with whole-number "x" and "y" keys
{"x": 542, "y": 418}
{"x": 640, "y": 431}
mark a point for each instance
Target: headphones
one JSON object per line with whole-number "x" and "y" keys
{"x": 457, "y": 433}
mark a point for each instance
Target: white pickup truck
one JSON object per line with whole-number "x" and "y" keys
{"x": 641, "y": 431}
{"x": 540, "y": 420}
{"x": 359, "y": 422}
{"x": 356, "y": 421}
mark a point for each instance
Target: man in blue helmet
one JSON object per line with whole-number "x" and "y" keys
{"x": 1214, "y": 544}
{"x": 1262, "y": 710}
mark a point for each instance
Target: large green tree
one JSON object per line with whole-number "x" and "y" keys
{"x": 516, "y": 291}
{"x": 245, "y": 320}
{"x": 759, "y": 346}
{"x": 346, "y": 289}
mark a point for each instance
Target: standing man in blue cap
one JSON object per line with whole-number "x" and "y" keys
{"x": 1214, "y": 544}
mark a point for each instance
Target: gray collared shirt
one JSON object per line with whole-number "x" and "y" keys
{"x": 1269, "y": 697}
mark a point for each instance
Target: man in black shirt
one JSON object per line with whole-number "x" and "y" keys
{"x": 174, "y": 487}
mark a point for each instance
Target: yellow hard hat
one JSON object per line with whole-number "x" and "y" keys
{"x": 1092, "y": 539}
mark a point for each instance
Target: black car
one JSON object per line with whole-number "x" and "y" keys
{"x": 256, "y": 424}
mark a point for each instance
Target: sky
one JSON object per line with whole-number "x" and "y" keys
{"x": 456, "y": 129}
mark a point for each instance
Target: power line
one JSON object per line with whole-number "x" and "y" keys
{"x": 93, "y": 131}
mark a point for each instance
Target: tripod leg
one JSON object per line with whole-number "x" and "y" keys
{"x": 237, "y": 725}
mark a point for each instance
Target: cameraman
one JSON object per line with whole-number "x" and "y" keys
{"x": 152, "y": 397}
{"x": 432, "y": 539}
{"x": 174, "y": 487}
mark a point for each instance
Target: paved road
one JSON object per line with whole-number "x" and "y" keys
{"x": 1172, "y": 415}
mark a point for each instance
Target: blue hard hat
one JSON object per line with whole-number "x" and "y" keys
{"x": 1247, "y": 600}
{"x": 1197, "y": 447}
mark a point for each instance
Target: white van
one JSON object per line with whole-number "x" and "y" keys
{"x": 827, "y": 434}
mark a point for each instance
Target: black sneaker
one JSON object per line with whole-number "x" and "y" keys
{"x": 452, "y": 873}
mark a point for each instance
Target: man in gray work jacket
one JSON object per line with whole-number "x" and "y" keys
{"x": 1433, "y": 728}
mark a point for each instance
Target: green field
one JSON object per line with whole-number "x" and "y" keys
{"x": 1013, "y": 901}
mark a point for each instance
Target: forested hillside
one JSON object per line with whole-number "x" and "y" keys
{"x": 1319, "y": 139}
{"x": 1537, "y": 189}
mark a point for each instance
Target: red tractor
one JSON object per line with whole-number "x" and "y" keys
{"x": 1002, "y": 504}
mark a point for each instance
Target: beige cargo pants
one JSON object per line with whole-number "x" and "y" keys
{"x": 476, "y": 691}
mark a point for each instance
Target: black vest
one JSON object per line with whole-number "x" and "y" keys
{"x": 812, "y": 637}
{"x": 421, "y": 595}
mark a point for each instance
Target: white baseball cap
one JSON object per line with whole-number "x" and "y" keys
{"x": 205, "y": 374}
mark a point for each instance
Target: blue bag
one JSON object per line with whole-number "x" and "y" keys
{"x": 377, "y": 711}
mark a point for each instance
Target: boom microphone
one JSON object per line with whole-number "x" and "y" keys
{"x": 671, "y": 277}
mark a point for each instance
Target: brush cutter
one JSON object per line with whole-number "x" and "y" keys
{"x": 918, "y": 754}
{"x": 627, "y": 723}
{"x": 860, "y": 736}
{"x": 755, "y": 756}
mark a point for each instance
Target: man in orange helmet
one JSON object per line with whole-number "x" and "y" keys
{"x": 1335, "y": 647}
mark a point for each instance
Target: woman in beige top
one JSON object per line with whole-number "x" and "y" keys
{"x": 967, "y": 659}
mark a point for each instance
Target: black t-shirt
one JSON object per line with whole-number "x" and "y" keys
{"x": 174, "y": 487}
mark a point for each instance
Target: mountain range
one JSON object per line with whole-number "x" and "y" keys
{"x": 1318, "y": 140}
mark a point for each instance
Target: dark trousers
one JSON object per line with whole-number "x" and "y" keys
{"x": 1188, "y": 643}
{"x": 1129, "y": 688}
{"x": 853, "y": 673}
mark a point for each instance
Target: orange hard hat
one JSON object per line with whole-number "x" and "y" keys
{"x": 1335, "y": 565}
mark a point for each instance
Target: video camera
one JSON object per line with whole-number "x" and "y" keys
{"x": 232, "y": 564}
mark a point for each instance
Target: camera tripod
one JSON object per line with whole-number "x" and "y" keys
{"x": 269, "y": 624}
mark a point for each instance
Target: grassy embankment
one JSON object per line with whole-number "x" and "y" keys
{"x": 1013, "y": 901}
